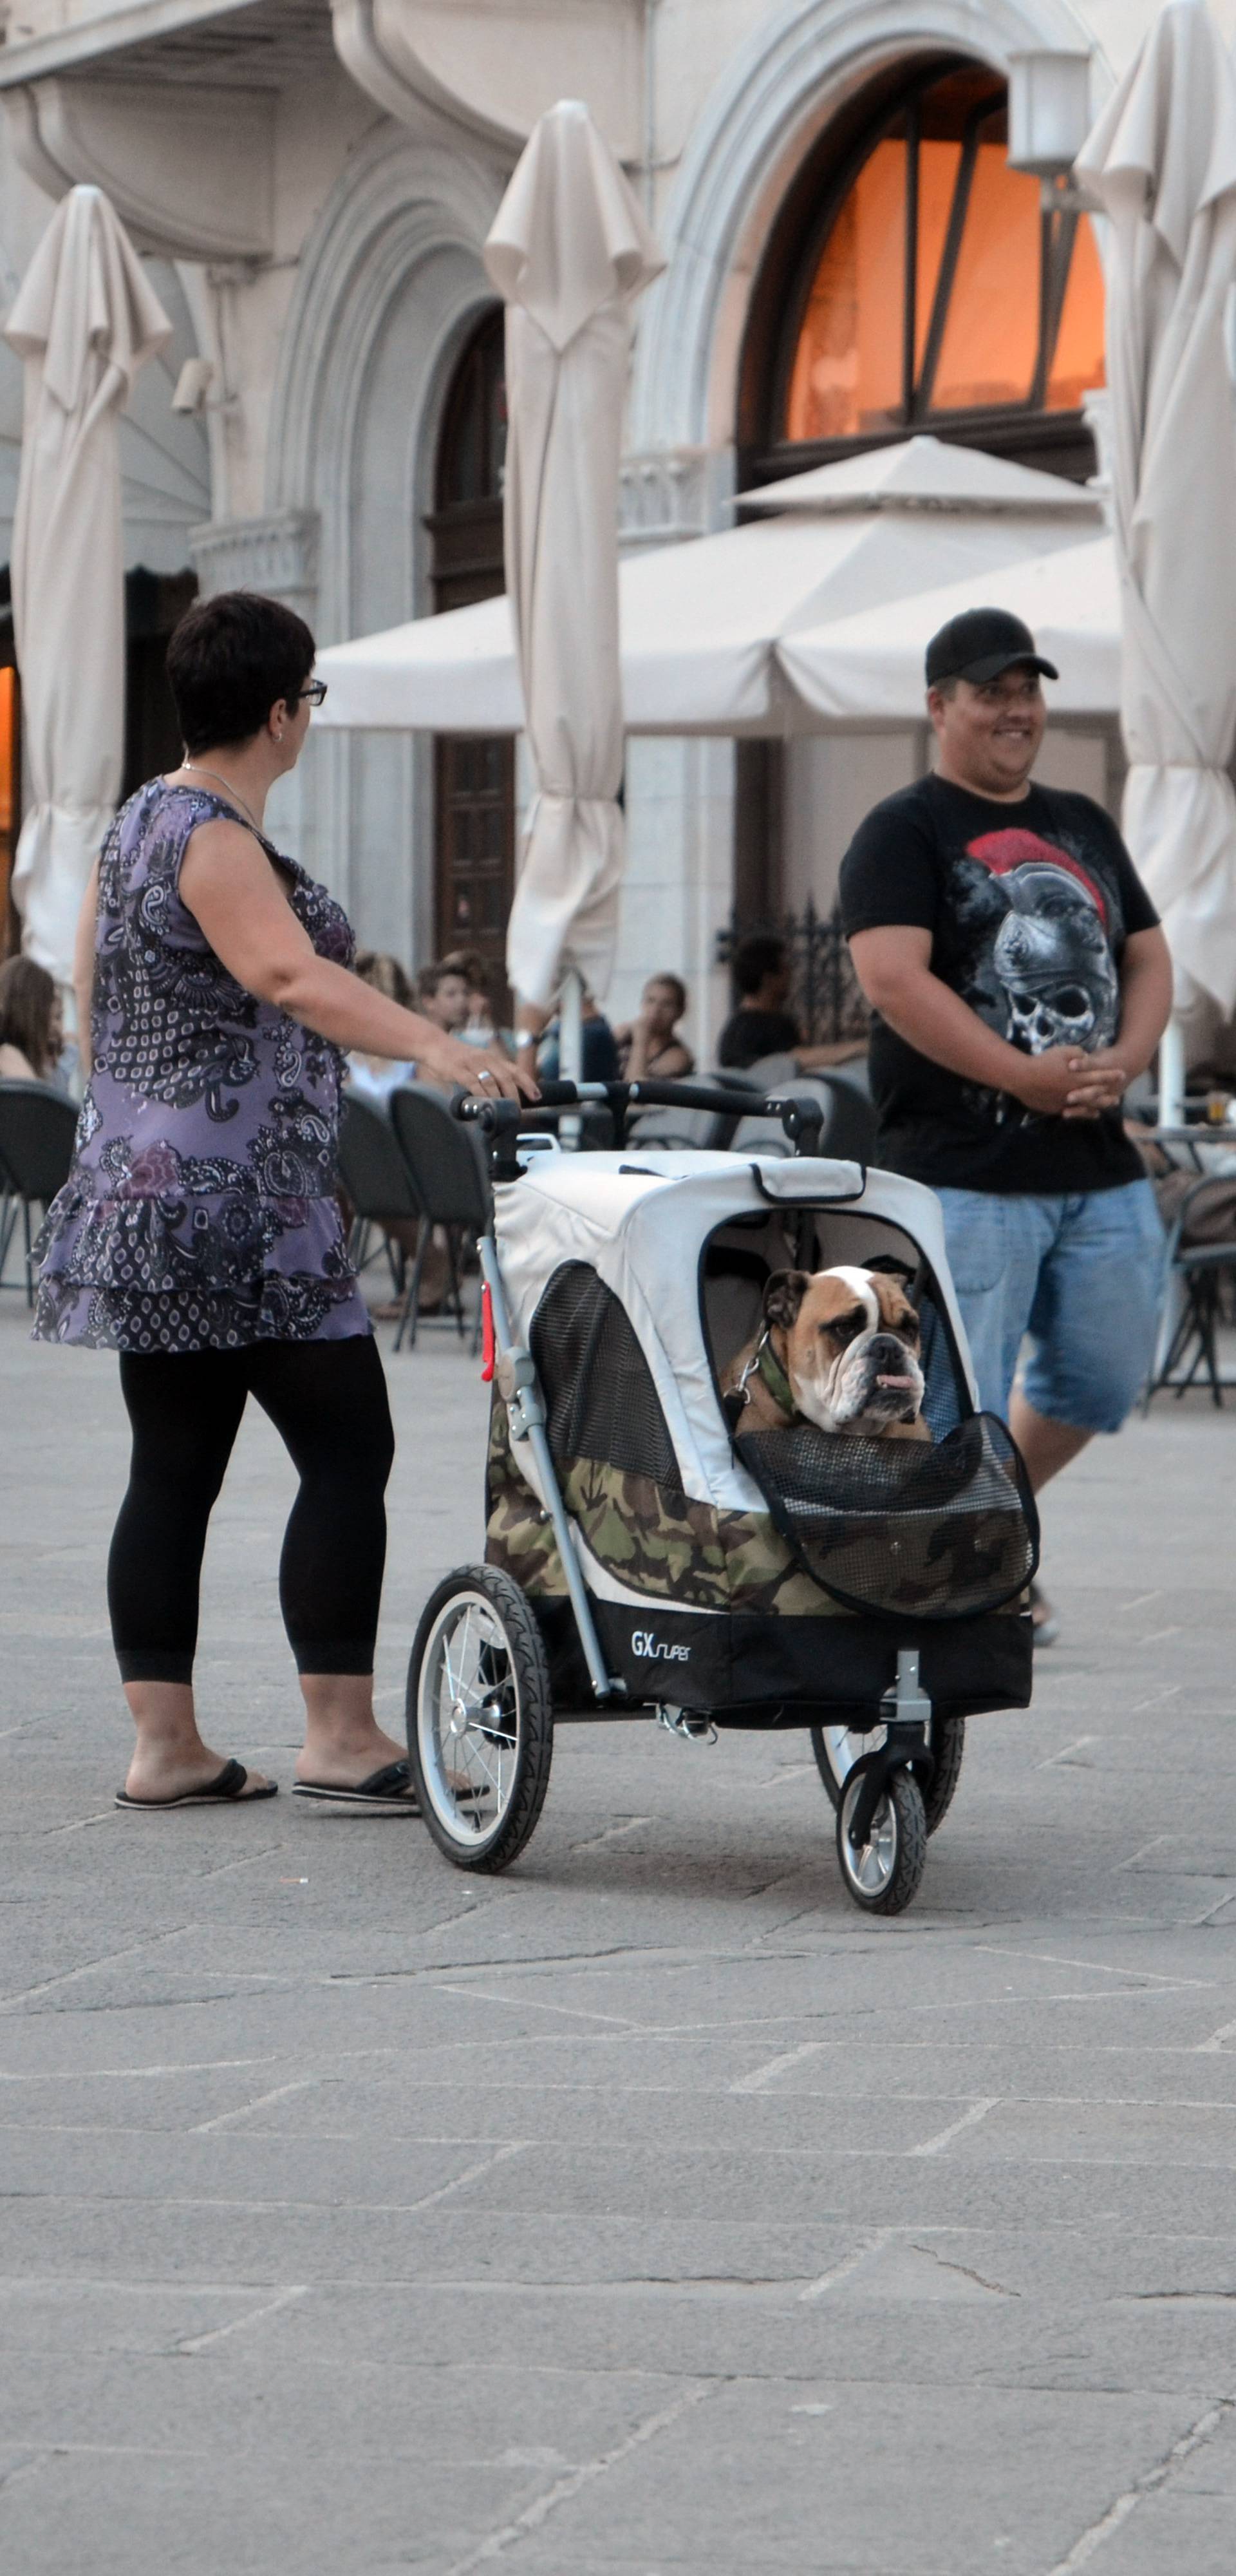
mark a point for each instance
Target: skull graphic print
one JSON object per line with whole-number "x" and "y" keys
{"x": 1042, "y": 967}
{"x": 1028, "y": 905}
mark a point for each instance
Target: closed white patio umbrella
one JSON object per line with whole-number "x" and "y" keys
{"x": 569, "y": 251}
{"x": 1162, "y": 162}
{"x": 702, "y": 623}
{"x": 85, "y": 320}
{"x": 869, "y": 668}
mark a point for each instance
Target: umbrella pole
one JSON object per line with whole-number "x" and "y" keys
{"x": 571, "y": 1046}
{"x": 571, "y": 1027}
{"x": 1172, "y": 1074}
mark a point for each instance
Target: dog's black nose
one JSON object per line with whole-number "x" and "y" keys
{"x": 884, "y": 1350}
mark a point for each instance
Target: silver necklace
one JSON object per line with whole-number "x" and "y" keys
{"x": 201, "y": 771}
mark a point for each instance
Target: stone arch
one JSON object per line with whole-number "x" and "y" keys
{"x": 777, "y": 95}
{"x": 390, "y": 284}
{"x": 397, "y": 247}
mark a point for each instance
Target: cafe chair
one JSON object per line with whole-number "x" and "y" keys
{"x": 1199, "y": 1269}
{"x": 444, "y": 1165}
{"x": 37, "y": 1131}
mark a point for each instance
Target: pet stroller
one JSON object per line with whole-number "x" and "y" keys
{"x": 647, "y": 1556}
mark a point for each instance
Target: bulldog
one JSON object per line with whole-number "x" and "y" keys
{"x": 839, "y": 1347}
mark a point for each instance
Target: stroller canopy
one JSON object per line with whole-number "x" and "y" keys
{"x": 643, "y": 1224}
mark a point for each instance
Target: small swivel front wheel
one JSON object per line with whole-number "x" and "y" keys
{"x": 838, "y": 1748}
{"x": 480, "y": 1718}
{"x": 883, "y": 1874}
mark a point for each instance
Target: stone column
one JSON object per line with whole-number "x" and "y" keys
{"x": 277, "y": 555}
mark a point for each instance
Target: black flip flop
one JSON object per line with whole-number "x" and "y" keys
{"x": 226, "y": 1790}
{"x": 388, "y": 1792}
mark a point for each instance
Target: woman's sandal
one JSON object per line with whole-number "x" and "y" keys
{"x": 227, "y": 1789}
{"x": 389, "y": 1791}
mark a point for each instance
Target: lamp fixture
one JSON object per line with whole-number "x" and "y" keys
{"x": 1049, "y": 120}
{"x": 192, "y": 389}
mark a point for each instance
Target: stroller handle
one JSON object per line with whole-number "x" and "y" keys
{"x": 802, "y": 1119}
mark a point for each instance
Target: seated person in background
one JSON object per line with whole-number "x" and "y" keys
{"x": 374, "y": 1077}
{"x": 31, "y": 1031}
{"x": 480, "y": 1028}
{"x": 762, "y": 1025}
{"x": 649, "y": 1044}
{"x": 442, "y": 994}
{"x": 599, "y": 1053}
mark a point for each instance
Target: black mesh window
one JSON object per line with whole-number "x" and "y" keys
{"x": 599, "y": 1394}
{"x": 898, "y": 1526}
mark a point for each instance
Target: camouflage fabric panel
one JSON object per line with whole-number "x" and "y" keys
{"x": 672, "y": 1549}
{"x": 518, "y": 1537}
{"x": 649, "y": 1538}
{"x": 661, "y": 1543}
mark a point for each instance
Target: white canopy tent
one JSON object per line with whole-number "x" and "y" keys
{"x": 705, "y": 626}
{"x": 869, "y": 668}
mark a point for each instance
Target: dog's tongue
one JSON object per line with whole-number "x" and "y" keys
{"x": 901, "y": 1382}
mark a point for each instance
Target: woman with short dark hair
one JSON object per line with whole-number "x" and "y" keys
{"x": 30, "y": 1031}
{"x": 200, "y": 1233}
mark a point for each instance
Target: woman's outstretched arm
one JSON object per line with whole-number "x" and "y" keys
{"x": 235, "y": 894}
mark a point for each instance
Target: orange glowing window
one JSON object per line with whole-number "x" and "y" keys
{"x": 941, "y": 285}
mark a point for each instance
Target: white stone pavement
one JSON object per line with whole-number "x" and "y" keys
{"x": 647, "y": 2211}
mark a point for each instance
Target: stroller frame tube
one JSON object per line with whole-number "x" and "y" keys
{"x": 517, "y": 1384}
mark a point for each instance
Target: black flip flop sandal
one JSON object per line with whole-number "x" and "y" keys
{"x": 226, "y": 1790}
{"x": 387, "y": 1792}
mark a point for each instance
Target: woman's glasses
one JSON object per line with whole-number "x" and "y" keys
{"x": 315, "y": 692}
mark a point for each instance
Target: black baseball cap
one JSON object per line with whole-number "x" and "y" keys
{"x": 979, "y": 645}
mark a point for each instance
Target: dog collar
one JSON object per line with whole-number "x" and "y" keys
{"x": 769, "y": 1367}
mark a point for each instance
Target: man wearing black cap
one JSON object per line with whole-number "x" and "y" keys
{"x": 1020, "y": 981}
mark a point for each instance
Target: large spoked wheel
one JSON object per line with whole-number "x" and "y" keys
{"x": 838, "y": 1748}
{"x": 883, "y": 1874}
{"x": 480, "y": 1718}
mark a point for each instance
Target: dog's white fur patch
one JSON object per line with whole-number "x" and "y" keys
{"x": 862, "y": 1286}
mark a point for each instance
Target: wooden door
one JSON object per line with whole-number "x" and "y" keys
{"x": 475, "y": 797}
{"x": 474, "y": 775}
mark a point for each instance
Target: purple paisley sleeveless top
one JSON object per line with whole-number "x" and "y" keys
{"x": 200, "y": 1212}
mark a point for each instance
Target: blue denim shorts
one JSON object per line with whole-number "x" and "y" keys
{"x": 1081, "y": 1278}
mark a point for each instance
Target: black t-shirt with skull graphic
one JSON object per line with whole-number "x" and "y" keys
{"x": 1029, "y": 907}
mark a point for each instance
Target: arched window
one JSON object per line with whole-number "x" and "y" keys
{"x": 472, "y": 440}
{"x": 921, "y": 284}
{"x": 474, "y": 774}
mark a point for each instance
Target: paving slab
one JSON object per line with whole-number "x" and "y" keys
{"x": 647, "y": 2212}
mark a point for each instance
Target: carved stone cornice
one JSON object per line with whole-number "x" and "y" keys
{"x": 188, "y": 168}
{"x": 276, "y": 554}
{"x": 493, "y": 66}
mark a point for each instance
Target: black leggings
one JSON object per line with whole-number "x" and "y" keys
{"x": 328, "y": 1403}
